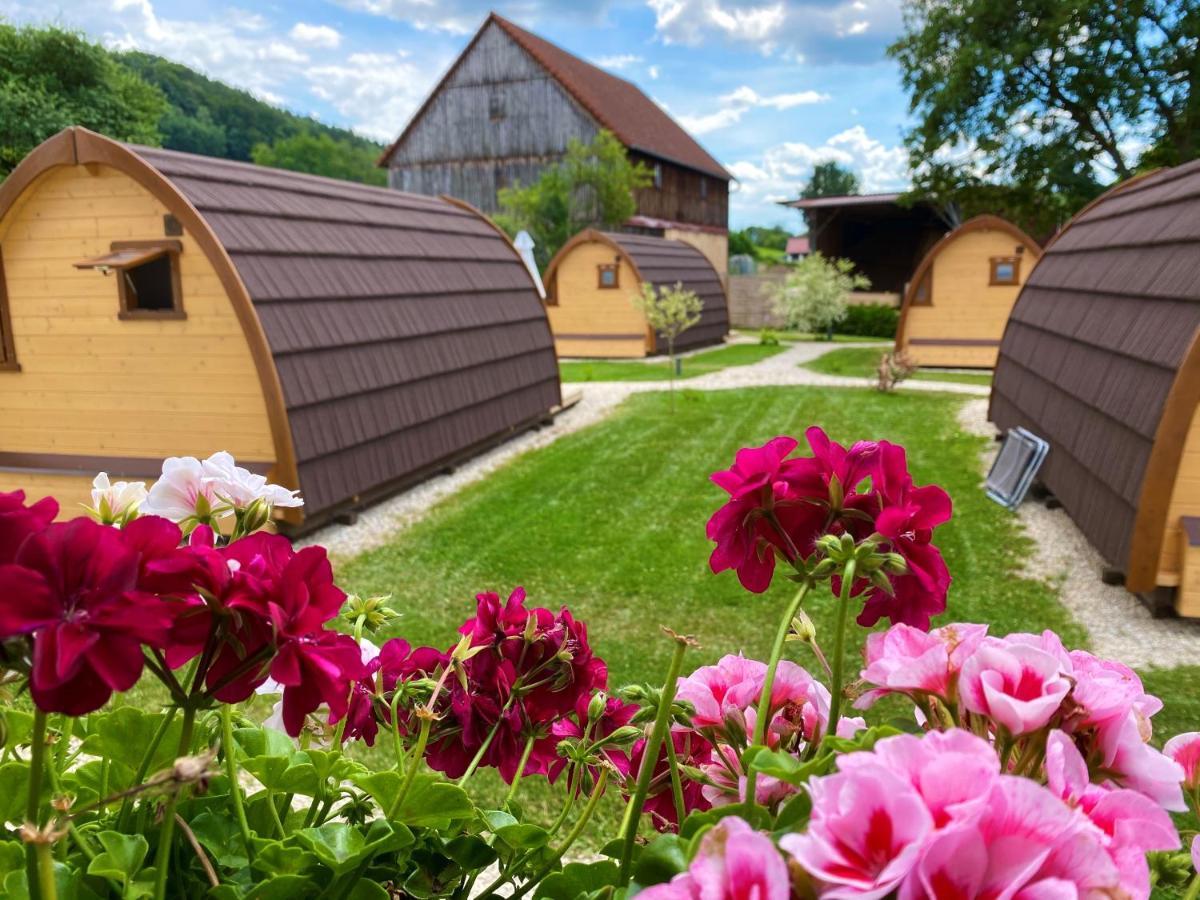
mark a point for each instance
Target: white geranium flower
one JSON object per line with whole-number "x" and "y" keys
{"x": 116, "y": 502}
{"x": 182, "y": 492}
{"x": 240, "y": 487}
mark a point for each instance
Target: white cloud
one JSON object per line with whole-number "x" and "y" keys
{"x": 617, "y": 61}
{"x": 315, "y": 35}
{"x": 464, "y": 16}
{"x": 782, "y": 170}
{"x": 377, "y": 92}
{"x": 652, "y": 71}
{"x": 734, "y": 105}
{"x": 813, "y": 29}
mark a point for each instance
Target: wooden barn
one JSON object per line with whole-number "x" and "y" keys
{"x": 345, "y": 340}
{"x": 885, "y": 240}
{"x": 509, "y": 106}
{"x": 959, "y": 299}
{"x": 1101, "y": 358}
{"x": 592, "y": 280}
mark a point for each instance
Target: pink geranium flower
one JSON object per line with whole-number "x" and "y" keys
{"x": 734, "y": 862}
{"x": 868, "y": 828}
{"x": 1018, "y": 686}
{"x": 1185, "y": 750}
{"x": 1131, "y": 762}
{"x": 18, "y": 521}
{"x": 907, "y": 660}
{"x": 73, "y": 589}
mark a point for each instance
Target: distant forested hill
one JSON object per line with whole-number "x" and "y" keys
{"x": 51, "y": 78}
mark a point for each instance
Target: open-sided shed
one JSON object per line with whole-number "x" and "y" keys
{"x": 958, "y": 301}
{"x": 345, "y": 339}
{"x": 1101, "y": 358}
{"x": 591, "y": 282}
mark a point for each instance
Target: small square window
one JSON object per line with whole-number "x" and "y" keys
{"x": 607, "y": 276}
{"x": 1005, "y": 270}
{"x": 147, "y": 275}
{"x": 658, "y": 176}
{"x": 923, "y": 295}
{"x": 495, "y": 106}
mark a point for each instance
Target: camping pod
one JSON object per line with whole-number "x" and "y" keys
{"x": 1101, "y": 358}
{"x": 591, "y": 283}
{"x": 344, "y": 340}
{"x": 958, "y": 301}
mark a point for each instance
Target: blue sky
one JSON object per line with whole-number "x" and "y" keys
{"x": 768, "y": 86}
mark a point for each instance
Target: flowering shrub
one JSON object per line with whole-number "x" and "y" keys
{"x": 1025, "y": 769}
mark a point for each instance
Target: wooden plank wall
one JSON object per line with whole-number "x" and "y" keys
{"x": 1185, "y": 501}
{"x": 965, "y": 306}
{"x": 93, "y": 385}
{"x": 681, "y": 197}
{"x": 585, "y": 309}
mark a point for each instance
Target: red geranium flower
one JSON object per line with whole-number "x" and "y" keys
{"x": 74, "y": 589}
{"x": 18, "y": 521}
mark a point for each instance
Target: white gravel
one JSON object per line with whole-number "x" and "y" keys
{"x": 1120, "y": 626}
{"x": 378, "y": 524}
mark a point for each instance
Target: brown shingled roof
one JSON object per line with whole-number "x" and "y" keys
{"x": 405, "y": 329}
{"x": 661, "y": 261}
{"x": 1099, "y": 358}
{"x": 616, "y": 104}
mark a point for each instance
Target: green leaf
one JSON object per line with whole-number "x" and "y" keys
{"x": 278, "y": 858}
{"x": 660, "y": 860}
{"x": 18, "y": 725}
{"x": 794, "y": 813}
{"x": 343, "y": 847}
{"x": 785, "y": 766}
{"x": 263, "y": 742}
{"x": 14, "y": 787}
{"x": 122, "y": 857}
{"x": 220, "y": 836}
{"x": 578, "y": 880}
{"x": 122, "y": 737}
{"x": 523, "y": 836}
{"x": 470, "y": 852}
{"x": 12, "y": 857}
{"x": 367, "y": 890}
{"x": 432, "y": 801}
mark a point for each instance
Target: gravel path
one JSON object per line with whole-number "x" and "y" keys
{"x": 1119, "y": 625}
{"x": 378, "y": 524}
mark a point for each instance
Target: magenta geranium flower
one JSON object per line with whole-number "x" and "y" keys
{"x": 18, "y": 521}
{"x": 734, "y": 862}
{"x": 616, "y": 714}
{"x": 690, "y": 750}
{"x": 73, "y": 589}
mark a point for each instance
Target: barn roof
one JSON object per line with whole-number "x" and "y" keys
{"x": 1100, "y": 358}
{"x": 616, "y": 104}
{"x": 400, "y": 330}
{"x": 663, "y": 261}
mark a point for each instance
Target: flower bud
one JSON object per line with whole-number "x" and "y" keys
{"x": 596, "y": 706}
{"x": 895, "y": 563}
{"x": 803, "y": 628}
{"x": 626, "y": 734}
{"x": 735, "y": 727}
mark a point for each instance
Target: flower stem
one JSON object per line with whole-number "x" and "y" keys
{"x": 516, "y": 782}
{"x": 676, "y": 782}
{"x": 144, "y": 767}
{"x": 33, "y": 806}
{"x": 162, "y": 859}
{"x": 483, "y": 748}
{"x": 572, "y": 836}
{"x": 662, "y": 721}
{"x": 45, "y": 872}
{"x": 414, "y": 766}
{"x": 1193, "y": 890}
{"x": 231, "y": 770}
{"x": 839, "y": 649}
{"x": 763, "y": 711}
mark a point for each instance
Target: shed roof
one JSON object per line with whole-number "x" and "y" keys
{"x": 663, "y": 261}
{"x": 616, "y": 104}
{"x": 842, "y": 200}
{"x": 402, "y": 329}
{"x": 1100, "y": 358}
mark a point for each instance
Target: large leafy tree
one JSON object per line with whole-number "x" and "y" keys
{"x": 830, "y": 179}
{"x": 1029, "y": 107}
{"x": 592, "y": 187}
{"x": 51, "y": 78}
{"x": 320, "y": 154}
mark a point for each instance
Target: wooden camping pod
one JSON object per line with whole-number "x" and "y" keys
{"x": 959, "y": 299}
{"x": 345, "y": 340}
{"x": 1101, "y": 358}
{"x": 591, "y": 283}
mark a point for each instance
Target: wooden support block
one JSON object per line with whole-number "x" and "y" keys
{"x": 349, "y": 517}
{"x": 1112, "y": 576}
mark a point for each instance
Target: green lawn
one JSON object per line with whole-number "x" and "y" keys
{"x": 660, "y": 369}
{"x": 610, "y": 521}
{"x": 792, "y": 337}
{"x": 861, "y": 361}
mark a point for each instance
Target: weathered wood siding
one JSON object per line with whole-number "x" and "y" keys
{"x": 93, "y": 385}
{"x": 460, "y": 147}
{"x": 683, "y": 195}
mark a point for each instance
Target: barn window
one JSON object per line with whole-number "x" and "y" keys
{"x": 703, "y": 187}
{"x": 147, "y": 274}
{"x": 8, "y": 350}
{"x": 658, "y": 176}
{"x": 495, "y": 106}
{"x": 923, "y": 295}
{"x": 1005, "y": 270}
{"x": 607, "y": 277}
